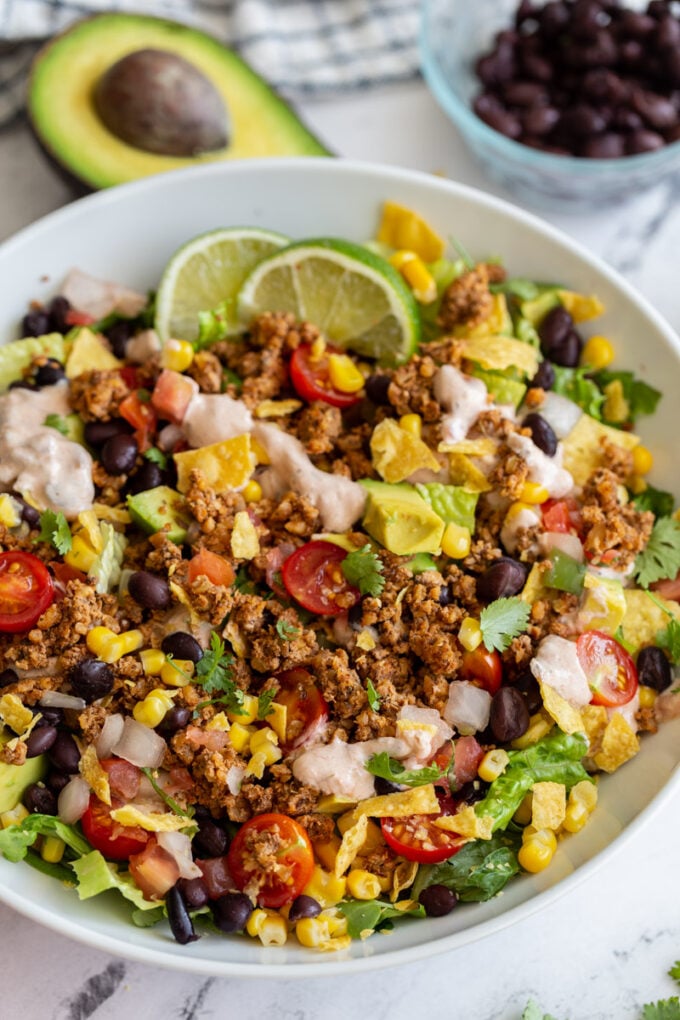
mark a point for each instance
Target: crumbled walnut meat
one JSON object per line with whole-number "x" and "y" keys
{"x": 467, "y": 301}
{"x": 13, "y": 752}
{"x": 206, "y": 370}
{"x": 410, "y": 391}
{"x": 294, "y": 515}
{"x": 509, "y": 474}
{"x": 613, "y": 533}
{"x": 262, "y": 362}
{"x": 317, "y": 426}
{"x": 96, "y": 395}
{"x": 617, "y": 459}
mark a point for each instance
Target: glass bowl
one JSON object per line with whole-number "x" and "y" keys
{"x": 453, "y": 34}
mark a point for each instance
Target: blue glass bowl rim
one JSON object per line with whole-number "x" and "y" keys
{"x": 471, "y": 124}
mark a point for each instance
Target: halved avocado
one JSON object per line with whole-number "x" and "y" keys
{"x": 64, "y": 82}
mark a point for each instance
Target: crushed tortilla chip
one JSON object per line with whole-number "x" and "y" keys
{"x": 153, "y": 822}
{"x": 583, "y": 448}
{"x": 352, "y": 842}
{"x": 15, "y": 714}
{"x": 365, "y": 640}
{"x": 397, "y": 453}
{"x": 534, "y": 589}
{"x": 112, "y": 514}
{"x": 422, "y": 800}
{"x": 619, "y": 744}
{"x": 581, "y": 307}
{"x": 245, "y": 544}
{"x": 94, "y": 775}
{"x": 595, "y": 721}
{"x": 644, "y": 617}
{"x": 464, "y": 473}
{"x": 467, "y": 823}
{"x": 502, "y": 352}
{"x": 558, "y": 708}
{"x": 277, "y": 408}
{"x": 584, "y": 793}
{"x": 548, "y": 805}
{"x": 484, "y": 447}
{"x": 403, "y": 877}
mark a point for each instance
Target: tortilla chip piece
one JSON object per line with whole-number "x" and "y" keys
{"x": 14, "y": 713}
{"x": 581, "y": 307}
{"x": 644, "y": 617}
{"x": 245, "y": 544}
{"x": 94, "y": 775}
{"x": 583, "y": 450}
{"x": 151, "y": 822}
{"x": 534, "y": 589}
{"x": 403, "y": 876}
{"x": 352, "y": 842}
{"x": 277, "y": 408}
{"x": 585, "y": 793}
{"x": 484, "y": 447}
{"x": 466, "y": 474}
{"x": 558, "y": 708}
{"x": 502, "y": 352}
{"x": 595, "y": 721}
{"x": 619, "y": 744}
{"x": 397, "y": 453}
{"x": 467, "y": 823}
{"x": 422, "y": 800}
{"x": 548, "y": 805}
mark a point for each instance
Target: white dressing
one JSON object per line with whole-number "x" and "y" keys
{"x": 339, "y": 767}
{"x": 544, "y": 470}
{"x": 462, "y": 397}
{"x": 557, "y": 665}
{"x": 214, "y": 417}
{"x": 142, "y": 346}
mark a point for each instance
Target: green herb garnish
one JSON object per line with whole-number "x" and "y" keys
{"x": 503, "y": 620}
{"x": 157, "y": 456}
{"x": 373, "y": 696}
{"x": 364, "y": 569}
{"x": 54, "y": 528}
{"x": 384, "y": 767}
{"x": 286, "y": 630}
{"x": 661, "y": 557}
{"x": 264, "y": 702}
{"x": 58, "y": 422}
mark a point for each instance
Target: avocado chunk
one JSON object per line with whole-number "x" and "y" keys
{"x": 71, "y": 86}
{"x": 503, "y": 389}
{"x": 14, "y": 779}
{"x": 398, "y": 518}
{"x": 18, "y": 355}
{"x": 154, "y": 509}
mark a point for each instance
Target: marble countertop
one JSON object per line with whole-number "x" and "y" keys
{"x": 599, "y": 953}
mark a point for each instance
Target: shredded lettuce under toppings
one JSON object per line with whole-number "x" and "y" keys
{"x": 454, "y": 504}
{"x": 366, "y": 916}
{"x": 576, "y": 384}
{"x": 389, "y": 768}
{"x": 478, "y": 871}
{"x": 660, "y": 503}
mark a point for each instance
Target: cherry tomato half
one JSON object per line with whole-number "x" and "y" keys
{"x": 273, "y": 855}
{"x": 305, "y": 705}
{"x": 314, "y": 578}
{"x": 483, "y": 668}
{"x": 466, "y": 754}
{"x": 26, "y": 590}
{"x": 417, "y": 839}
{"x": 116, "y": 842}
{"x": 310, "y": 378}
{"x": 609, "y": 668}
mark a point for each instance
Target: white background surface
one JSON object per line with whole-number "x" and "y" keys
{"x": 599, "y": 953}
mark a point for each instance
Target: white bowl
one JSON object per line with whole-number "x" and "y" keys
{"x": 127, "y": 234}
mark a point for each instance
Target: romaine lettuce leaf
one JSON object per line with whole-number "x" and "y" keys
{"x": 452, "y": 503}
{"x": 16, "y": 839}
{"x": 95, "y": 875}
{"x": 478, "y": 871}
{"x": 367, "y": 915}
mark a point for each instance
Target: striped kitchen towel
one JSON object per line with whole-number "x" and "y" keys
{"x": 301, "y": 47}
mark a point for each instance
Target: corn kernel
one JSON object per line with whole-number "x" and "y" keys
{"x": 493, "y": 764}
{"x": 616, "y": 408}
{"x": 103, "y": 643}
{"x": 516, "y": 508}
{"x": 268, "y": 926}
{"x": 14, "y": 816}
{"x": 597, "y": 353}
{"x": 277, "y": 718}
{"x": 637, "y": 485}
{"x": 327, "y": 850}
{"x": 247, "y": 713}
{"x": 52, "y": 849}
{"x": 259, "y": 452}
{"x": 456, "y": 541}
{"x": 239, "y": 737}
{"x": 81, "y": 555}
{"x": 150, "y": 712}
{"x": 261, "y": 738}
{"x": 318, "y": 349}
{"x": 218, "y": 722}
{"x": 643, "y": 461}
{"x": 575, "y": 817}
{"x": 177, "y": 672}
{"x": 540, "y": 725}
{"x": 325, "y": 888}
{"x": 152, "y": 660}
{"x": 647, "y": 696}
{"x": 344, "y": 374}
{"x": 416, "y": 274}
{"x": 412, "y": 423}
{"x": 470, "y": 634}
{"x": 537, "y": 850}
{"x": 534, "y": 493}
{"x": 363, "y": 885}
{"x": 252, "y": 491}
{"x": 10, "y": 511}
{"x": 324, "y": 932}
{"x": 177, "y": 355}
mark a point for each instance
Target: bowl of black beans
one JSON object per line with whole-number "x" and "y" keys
{"x": 570, "y": 104}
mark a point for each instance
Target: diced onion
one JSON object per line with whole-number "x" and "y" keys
{"x": 235, "y": 776}
{"x": 560, "y": 413}
{"x": 169, "y": 437}
{"x": 73, "y": 800}
{"x": 55, "y": 699}
{"x": 468, "y": 707}
{"x": 111, "y": 732}
{"x": 140, "y": 745}
{"x": 178, "y": 845}
{"x": 564, "y": 542}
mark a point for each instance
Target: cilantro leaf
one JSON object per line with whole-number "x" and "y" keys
{"x": 577, "y": 385}
{"x": 157, "y": 456}
{"x": 669, "y": 640}
{"x": 661, "y": 557}
{"x": 532, "y": 1011}
{"x": 640, "y": 396}
{"x": 367, "y": 915}
{"x": 213, "y": 673}
{"x": 166, "y": 798}
{"x": 243, "y": 584}
{"x": 54, "y": 528}
{"x": 664, "y": 1009}
{"x": 264, "y": 702}
{"x": 213, "y": 325}
{"x": 286, "y": 631}
{"x": 58, "y": 422}
{"x": 389, "y": 768}
{"x": 364, "y": 569}
{"x": 373, "y": 696}
{"x": 502, "y": 620}
{"x": 674, "y": 972}
{"x": 661, "y": 503}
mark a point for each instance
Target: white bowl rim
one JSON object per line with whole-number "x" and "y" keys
{"x": 336, "y": 966}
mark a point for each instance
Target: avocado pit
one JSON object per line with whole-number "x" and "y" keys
{"x": 157, "y": 101}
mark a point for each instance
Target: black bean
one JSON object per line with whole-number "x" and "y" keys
{"x": 231, "y": 912}
{"x": 56, "y": 781}
{"x": 180, "y": 923}
{"x": 582, "y": 120}
{"x": 119, "y": 454}
{"x": 147, "y": 476}
{"x": 96, "y": 433}
{"x": 64, "y": 754}
{"x": 502, "y": 579}
{"x": 631, "y": 53}
{"x": 524, "y": 12}
{"x": 656, "y": 110}
{"x": 376, "y": 387}
{"x": 643, "y": 141}
{"x": 654, "y": 668}
{"x": 509, "y": 717}
{"x": 35, "y": 323}
{"x": 40, "y": 740}
{"x": 540, "y": 120}
{"x": 604, "y": 85}
{"x": 635, "y": 24}
{"x": 50, "y": 373}
{"x": 555, "y": 326}
{"x": 607, "y": 146}
{"x": 446, "y": 595}
{"x": 149, "y": 590}
{"x": 438, "y": 900}
{"x": 384, "y": 786}
{"x": 553, "y": 18}
{"x": 175, "y": 719}
{"x": 118, "y": 336}
{"x": 29, "y": 514}
{"x": 626, "y": 119}
{"x": 525, "y": 93}
{"x": 182, "y": 646}
{"x": 91, "y": 679}
{"x": 303, "y": 906}
{"x": 561, "y": 348}
{"x": 48, "y": 716}
{"x": 8, "y": 676}
{"x": 527, "y": 685}
{"x": 537, "y": 67}
{"x": 194, "y": 891}
{"x": 58, "y": 309}
{"x": 545, "y": 376}
{"x": 542, "y": 433}
{"x": 210, "y": 840}
{"x": 667, "y": 36}
{"x": 38, "y": 800}
{"x": 493, "y": 113}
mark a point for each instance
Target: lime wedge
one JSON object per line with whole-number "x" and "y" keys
{"x": 206, "y": 272}
{"x": 356, "y": 298}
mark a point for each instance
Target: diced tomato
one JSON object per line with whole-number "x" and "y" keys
{"x": 218, "y": 877}
{"x": 611, "y": 673}
{"x": 310, "y": 378}
{"x": 130, "y": 376}
{"x": 275, "y": 559}
{"x": 26, "y": 590}
{"x": 483, "y": 668}
{"x": 281, "y": 881}
{"x": 669, "y": 588}
{"x": 116, "y": 842}
{"x": 208, "y": 564}
{"x": 124, "y": 777}
{"x": 63, "y": 573}
{"x": 141, "y": 416}
{"x": 313, "y": 576}
{"x": 305, "y": 704}
{"x": 171, "y": 395}
{"x": 154, "y": 870}
{"x": 467, "y": 754}
{"x": 75, "y": 318}
{"x": 416, "y": 838}
{"x": 562, "y": 515}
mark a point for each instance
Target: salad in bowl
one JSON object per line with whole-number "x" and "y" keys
{"x": 332, "y": 585}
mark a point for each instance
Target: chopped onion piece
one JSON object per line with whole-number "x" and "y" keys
{"x": 564, "y": 542}
{"x": 235, "y": 776}
{"x": 73, "y": 800}
{"x": 560, "y": 413}
{"x": 468, "y": 707}
{"x": 140, "y": 745}
{"x": 169, "y": 437}
{"x": 55, "y": 699}
{"x": 111, "y": 732}
{"x": 178, "y": 845}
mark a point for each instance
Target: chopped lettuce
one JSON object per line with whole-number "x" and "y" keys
{"x": 577, "y": 385}
{"x": 106, "y": 569}
{"x": 478, "y": 871}
{"x": 16, "y": 839}
{"x": 640, "y": 396}
{"x": 95, "y": 875}
{"x": 661, "y": 503}
{"x": 369, "y": 915}
{"x": 452, "y": 503}
{"x": 215, "y": 324}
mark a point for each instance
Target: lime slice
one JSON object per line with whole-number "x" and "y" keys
{"x": 205, "y": 273}
{"x": 356, "y": 298}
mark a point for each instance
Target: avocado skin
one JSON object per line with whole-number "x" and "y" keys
{"x": 87, "y": 156}
{"x": 400, "y": 519}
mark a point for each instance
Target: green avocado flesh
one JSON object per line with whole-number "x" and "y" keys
{"x": 398, "y": 518}
{"x": 153, "y": 509}
{"x": 15, "y": 778}
{"x": 66, "y": 123}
